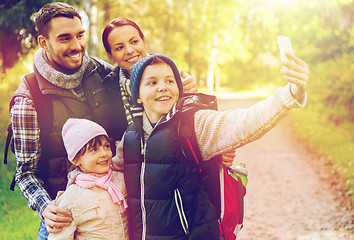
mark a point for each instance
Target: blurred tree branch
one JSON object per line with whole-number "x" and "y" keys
{"x": 17, "y": 31}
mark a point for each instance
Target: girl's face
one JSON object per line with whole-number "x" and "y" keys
{"x": 96, "y": 160}
{"x": 127, "y": 47}
{"x": 158, "y": 90}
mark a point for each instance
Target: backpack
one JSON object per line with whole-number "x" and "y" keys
{"x": 44, "y": 111}
{"x": 224, "y": 188}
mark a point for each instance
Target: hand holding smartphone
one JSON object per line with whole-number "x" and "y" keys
{"x": 284, "y": 44}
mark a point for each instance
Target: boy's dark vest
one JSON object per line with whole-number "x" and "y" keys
{"x": 165, "y": 174}
{"x": 54, "y": 164}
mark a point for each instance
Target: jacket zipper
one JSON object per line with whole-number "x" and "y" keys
{"x": 142, "y": 192}
{"x": 142, "y": 184}
{"x": 182, "y": 216}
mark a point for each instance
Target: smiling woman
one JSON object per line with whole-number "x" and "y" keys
{"x": 127, "y": 46}
{"x": 124, "y": 42}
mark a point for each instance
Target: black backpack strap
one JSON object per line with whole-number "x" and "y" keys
{"x": 189, "y": 104}
{"x": 45, "y": 117}
{"x": 188, "y": 140}
{"x": 8, "y": 142}
{"x": 43, "y": 105}
{"x": 13, "y": 182}
{"x": 209, "y": 170}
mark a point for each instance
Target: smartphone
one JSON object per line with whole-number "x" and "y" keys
{"x": 284, "y": 44}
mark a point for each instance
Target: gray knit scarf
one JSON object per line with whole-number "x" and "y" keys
{"x": 55, "y": 77}
{"x": 131, "y": 110}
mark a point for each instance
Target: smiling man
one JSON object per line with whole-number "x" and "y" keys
{"x": 64, "y": 44}
{"x": 70, "y": 83}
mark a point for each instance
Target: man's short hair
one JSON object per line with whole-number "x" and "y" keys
{"x": 50, "y": 11}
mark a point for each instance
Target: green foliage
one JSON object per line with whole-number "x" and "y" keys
{"x": 241, "y": 32}
{"x": 17, "y": 31}
{"x": 334, "y": 143}
{"x": 8, "y": 84}
{"x": 332, "y": 89}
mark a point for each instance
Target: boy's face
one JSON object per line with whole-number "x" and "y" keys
{"x": 158, "y": 90}
{"x": 96, "y": 160}
{"x": 65, "y": 44}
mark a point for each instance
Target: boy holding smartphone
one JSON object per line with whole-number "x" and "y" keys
{"x": 166, "y": 197}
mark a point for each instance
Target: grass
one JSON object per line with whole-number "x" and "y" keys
{"x": 334, "y": 143}
{"x": 17, "y": 220}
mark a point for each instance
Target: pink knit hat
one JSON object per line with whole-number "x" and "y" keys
{"x": 77, "y": 132}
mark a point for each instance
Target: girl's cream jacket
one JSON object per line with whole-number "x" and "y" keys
{"x": 95, "y": 215}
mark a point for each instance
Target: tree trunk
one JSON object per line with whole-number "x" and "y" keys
{"x": 93, "y": 39}
{"x": 190, "y": 7}
{"x": 214, "y": 52}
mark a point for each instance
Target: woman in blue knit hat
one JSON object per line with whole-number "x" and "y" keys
{"x": 166, "y": 195}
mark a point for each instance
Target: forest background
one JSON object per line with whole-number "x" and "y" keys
{"x": 228, "y": 46}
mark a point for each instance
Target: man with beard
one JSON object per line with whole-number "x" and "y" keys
{"x": 71, "y": 83}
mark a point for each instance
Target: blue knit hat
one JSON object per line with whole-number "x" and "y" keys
{"x": 136, "y": 71}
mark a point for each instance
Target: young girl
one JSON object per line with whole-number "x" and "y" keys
{"x": 96, "y": 197}
{"x": 166, "y": 196}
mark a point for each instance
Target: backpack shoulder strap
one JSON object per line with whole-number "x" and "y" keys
{"x": 8, "y": 142}
{"x": 42, "y": 105}
{"x": 209, "y": 170}
{"x": 189, "y": 104}
{"x": 44, "y": 115}
{"x": 188, "y": 139}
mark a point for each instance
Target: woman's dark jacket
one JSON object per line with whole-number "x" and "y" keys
{"x": 118, "y": 116}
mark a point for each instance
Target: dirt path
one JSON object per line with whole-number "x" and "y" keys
{"x": 288, "y": 193}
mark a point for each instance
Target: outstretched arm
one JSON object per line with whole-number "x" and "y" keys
{"x": 218, "y": 132}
